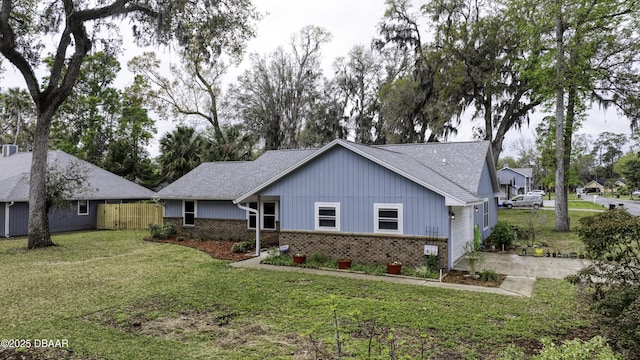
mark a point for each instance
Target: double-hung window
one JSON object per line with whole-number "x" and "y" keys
{"x": 83, "y": 207}
{"x": 387, "y": 218}
{"x": 251, "y": 217}
{"x": 485, "y": 213}
{"x": 269, "y": 216}
{"x": 327, "y": 216}
{"x": 189, "y": 213}
{"x": 268, "y": 211}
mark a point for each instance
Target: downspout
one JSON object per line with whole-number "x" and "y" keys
{"x": 6, "y": 218}
{"x": 254, "y": 211}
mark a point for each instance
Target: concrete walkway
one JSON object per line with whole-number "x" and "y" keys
{"x": 526, "y": 266}
{"x": 519, "y": 282}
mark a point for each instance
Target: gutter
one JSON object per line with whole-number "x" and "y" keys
{"x": 6, "y": 218}
{"x": 253, "y": 211}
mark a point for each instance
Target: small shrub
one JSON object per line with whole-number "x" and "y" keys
{"x": 431, "y": 262}
{"x": 162, "y": 232}
{"x": 242, "y": 247}
{"x": 155, "y": 230}
{"x": 426, "y": 272}
{"x": 275, "y": 258}
{"x": 488, "y": 275}
{"x": 430, "y": 268}
{"x": 180, "y": 238}
{"x": 319, "y": 258}
{"x": 502, "y": 234}
{"x": 168, "y": 230}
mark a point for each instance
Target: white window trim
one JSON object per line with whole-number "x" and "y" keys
{"x": 83, "y": 213}
{"x": 261, "y": 219}
{"x": 485, "y": 214}
{"x": 316, "y": 216}
{"x": 376, "y": 212}
{"x": 195, "y": 213}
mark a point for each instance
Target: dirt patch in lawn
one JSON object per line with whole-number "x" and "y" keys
{"x": 463, "y": 277}
{"x": 217, "y": 249}
{"x": 157, "y": 317}
{"x": 40, "y": 354}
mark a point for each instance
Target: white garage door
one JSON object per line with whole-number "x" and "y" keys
{"x": 461, "y": 232}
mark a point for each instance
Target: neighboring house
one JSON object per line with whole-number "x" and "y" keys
{"x": 369, "y": 203}
{"x": 602, "y": 186}
{"x": 102, "y": 187}
{"x": 595, "y": 186}
{"x": 515, "y": 181}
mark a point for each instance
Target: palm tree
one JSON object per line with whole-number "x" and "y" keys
{"x": 230, "y": 144}
{"x": 180, "y": 152}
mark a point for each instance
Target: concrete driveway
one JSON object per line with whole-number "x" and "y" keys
{"x": 526, "y": 266}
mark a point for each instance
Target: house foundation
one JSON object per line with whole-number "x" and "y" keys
{"x": 366, "y": 248}
{"x": 223, "y": 229}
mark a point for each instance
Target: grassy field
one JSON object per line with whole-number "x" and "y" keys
{"x": 543, "y": 223}
{"x": 114, "y": 296}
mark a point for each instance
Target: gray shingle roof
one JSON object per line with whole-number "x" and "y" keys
{"x": 528, "y": 172}
{"x": 460, "y": 162}
{"x": 456, "y": 178}
{"x": 229, "y": 180}
{"x": 104, "y": 185}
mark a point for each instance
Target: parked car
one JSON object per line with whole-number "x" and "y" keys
{"x": 536, "y": 192}
{"x": 534, "y": 201}
{"x": 636, "y": 193}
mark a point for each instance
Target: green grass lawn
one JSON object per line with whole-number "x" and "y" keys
{"x": 114, "y": 296}
{"x": 543, "y": 222}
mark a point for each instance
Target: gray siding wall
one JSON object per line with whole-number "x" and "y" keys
{"x": 507, "y": 175}
{"x": 67, "y": 219}
{"x": 18, "y": 219}
{"x": 2, "y": 207}
{"x": 486, "y": 190}
{"x": 206, "y": 209}
{"x": 59, "y": 219}
{"x": 219, "y": 210}
{"x": 356, "y": 183}
{"x": 173, "y": 208}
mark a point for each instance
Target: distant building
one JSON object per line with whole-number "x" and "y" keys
{"x": 515, "y": 181}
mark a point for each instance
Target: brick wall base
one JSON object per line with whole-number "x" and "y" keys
{"x": 366, "y": 248}
{"x": 223, "y": 229}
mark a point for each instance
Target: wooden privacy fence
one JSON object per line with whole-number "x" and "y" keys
{"x": 133, "y": 216}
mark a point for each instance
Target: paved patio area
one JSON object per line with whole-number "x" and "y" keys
{"x": 528, "y": 266}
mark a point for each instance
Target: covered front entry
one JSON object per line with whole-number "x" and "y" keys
{"x": 461, "y": 232}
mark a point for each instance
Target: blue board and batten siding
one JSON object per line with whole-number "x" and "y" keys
{"x": 206, "y": 209}
{"x": 342, "y": 176}
{"x": 486, "y": 191}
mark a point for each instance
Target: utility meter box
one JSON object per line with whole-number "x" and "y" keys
{"x": 430, "y": 250}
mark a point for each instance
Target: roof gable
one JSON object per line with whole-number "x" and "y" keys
{"x": 228, "y": 180}
{"x": 406, "y": 162}
{"x": 526, "y": 172}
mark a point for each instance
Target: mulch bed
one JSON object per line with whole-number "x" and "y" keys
{"x": 222, "y": 250}
{"x": 463, "y": 277}
{"x": 217, "y": 249}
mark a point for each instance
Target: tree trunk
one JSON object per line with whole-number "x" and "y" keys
{"x": 562, "y": 213}
{"x": 39, "y": 235}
